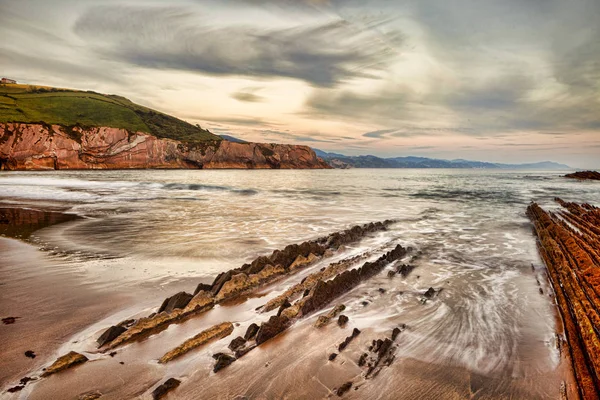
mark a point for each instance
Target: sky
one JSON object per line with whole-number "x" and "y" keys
{"x": 488, "y": 80}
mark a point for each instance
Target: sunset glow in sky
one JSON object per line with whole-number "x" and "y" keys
{"x": 489, "y": 80}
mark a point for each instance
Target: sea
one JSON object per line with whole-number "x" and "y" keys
{"x": 494, "y": 314}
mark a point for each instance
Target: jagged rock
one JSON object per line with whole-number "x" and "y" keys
{"x": 166, "y": 387}
{"x": 239, "y": 353}
{"x": 346, "y": 342}
{"x": 323, "y": 292}
{"x": 220, "y": 281}
{"x": 202, "y": 287}
{"x": 144, "y": 326}
{"x": 405, "y": 269}
{"x": 30, "y": 354}
{"x": 395, "y": 333}
{"x": 363, "y": 359}
{"x": 237, "y": 283}
{"x": 343, "y": 389}
{"x": 110, "y": 334}
{"x": 67, "y": 361}
{"x": 15, "y": 389}
{"x": 342, "y": 320}
{"x": 285, "y": 305}
{"x": 251, "y": 331}
{"x": 201, "y": 301}
{"x": 324, "y": 319}
{"x": 302, "y": 261}
{"x": 332, "y": 356}
{"x": 429, "y": 293}
{"x": 273, "y": 327}
{"x": 216, "y": 332}
{"x": 223, "y": 360}
{"x": 179, "y": 300}
{"x": 237, "y": 343}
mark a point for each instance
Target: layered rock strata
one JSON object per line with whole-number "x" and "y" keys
{"x": 228, "y": 285}
{"x": 569, "y": 243}
{"x": 43, "y": 147}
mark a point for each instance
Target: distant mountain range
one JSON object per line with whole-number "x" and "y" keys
{"x": 232, "y": 139}
{"x": 337, "y": 160}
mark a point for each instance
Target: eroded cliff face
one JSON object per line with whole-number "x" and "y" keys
{"x": 39, "y": 147}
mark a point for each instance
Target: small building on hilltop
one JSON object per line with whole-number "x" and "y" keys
{"x": 6, "y": 80}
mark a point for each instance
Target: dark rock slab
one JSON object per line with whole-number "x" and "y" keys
{"x": 237, "y": 343}
{"x": 162, "y": 390}
{"x": 223, "y": 360}
{"x": 343, "y": 389}
{"x": 251, "y": 331}
{"x": 202, "y": 286}
{"x": 179, "y": 300}
{"x": 273, "y": 327}
{"x": 110, "y": 334}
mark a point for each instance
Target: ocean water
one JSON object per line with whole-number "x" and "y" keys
{"x": 468, "y": 229}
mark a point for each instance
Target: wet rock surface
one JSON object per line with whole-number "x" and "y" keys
{"x": 180, "y": 300}
{"x": 251, "y": 331}
{"x": 65, "y": 362}
{"x": 223, "y": 360}
{"x": 342, "y": 321}
{"x": 343, "y": 389}
{"x": 110, "y": 334}
{"x": 569, "y": 243}
{"x": 216, "y": 332}
{"x": 169, "y": 385}
{"x": 346, "y": 342}
{"x": 591, "y": 175}
{"x": 232, "y": 283}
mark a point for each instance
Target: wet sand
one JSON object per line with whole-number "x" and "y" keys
{"x": 295, "y": 364}
{"x": 51, "y": 302}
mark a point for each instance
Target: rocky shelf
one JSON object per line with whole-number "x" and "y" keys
{"x": 585, "y": 175}
{"x": 569, "y": 244}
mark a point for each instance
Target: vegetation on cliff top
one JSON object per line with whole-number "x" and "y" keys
{"x": 39, "y": 104}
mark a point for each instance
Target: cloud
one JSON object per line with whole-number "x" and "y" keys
{"x": 379, "y": 133}
{"x": 248, "y": 95}
{"x": 323, "y": 54}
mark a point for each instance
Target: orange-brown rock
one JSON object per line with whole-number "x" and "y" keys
{"x": 41, "y": 146}
{"x": 569, "y": 244}
{"x": 65, "y": 362}
{"x": 216, "y": 332}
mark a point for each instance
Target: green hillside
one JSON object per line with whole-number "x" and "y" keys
{"x": 39, "y": 104}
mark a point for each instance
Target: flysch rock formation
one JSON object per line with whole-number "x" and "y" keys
{"x": 48, "y": 147}
{"x": 569, "y": 243}
{"x": 231, "y": 284}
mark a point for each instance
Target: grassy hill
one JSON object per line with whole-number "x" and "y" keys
{"x": 40, "y": 104}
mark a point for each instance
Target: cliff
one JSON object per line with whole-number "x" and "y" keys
{"x": 35, "y": 146}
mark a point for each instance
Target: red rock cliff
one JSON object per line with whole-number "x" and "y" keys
{"x": 37, "y": 147}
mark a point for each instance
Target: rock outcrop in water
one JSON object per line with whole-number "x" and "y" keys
{"x": 583, "y": 175}
{"x": 44, "y": 147}
{"x": 231, "y": 284}
{"x": 569, "y": 243}
{"x": 320, "y": 296}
